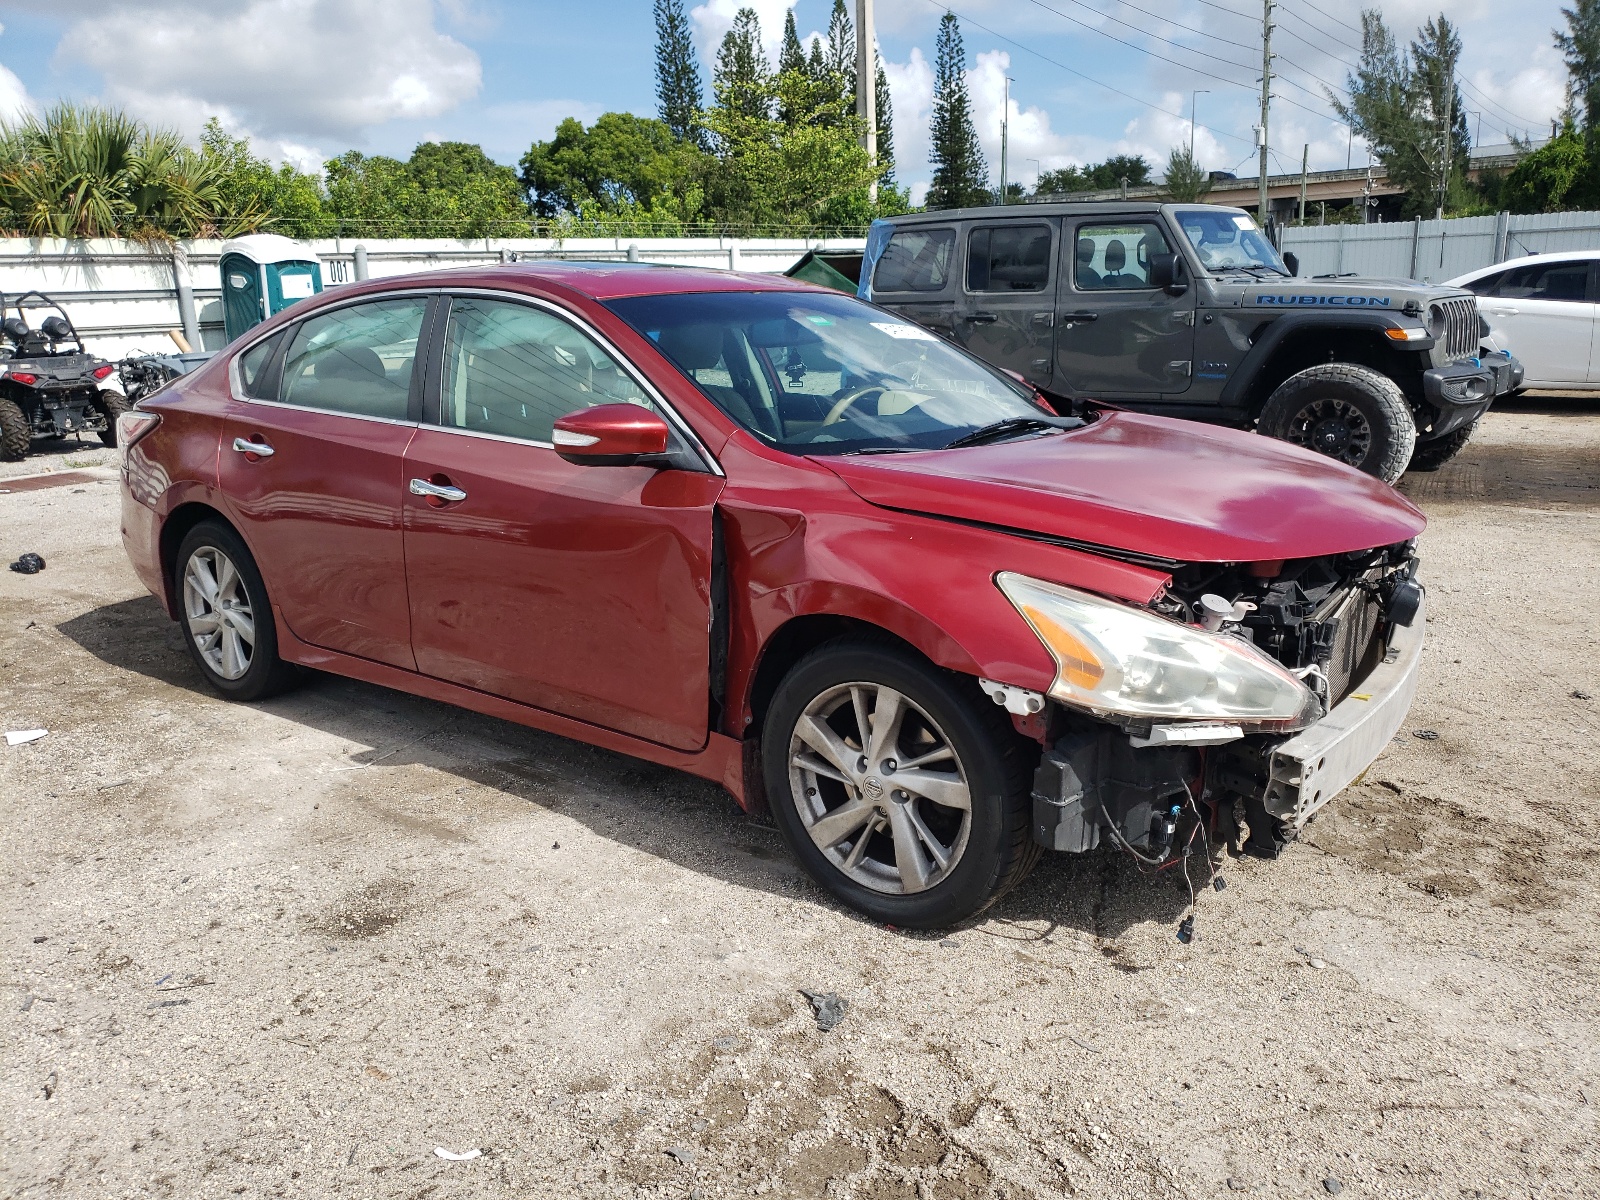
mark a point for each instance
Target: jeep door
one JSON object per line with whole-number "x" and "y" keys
{"x": 1117, "y": 334}
{"x": 917, "y": 276}
{"x": 1006, "y": 310}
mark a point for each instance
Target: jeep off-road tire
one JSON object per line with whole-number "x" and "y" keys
{"x": 1430, "y": 456}
{"x": 111, "y": 406}
{"x": 1348, "y": 412}
{"x": 949, "y": 778}
{"x": 15, "y": 436}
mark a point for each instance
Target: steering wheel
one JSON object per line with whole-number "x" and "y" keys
{"x": 844, "y": 403}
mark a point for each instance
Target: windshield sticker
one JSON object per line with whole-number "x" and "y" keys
{"x": 1244, "y": 222}
{"x": 1334, "y": 301}
{"x": 906, "y": 333}
{"x": 816, "y": 320}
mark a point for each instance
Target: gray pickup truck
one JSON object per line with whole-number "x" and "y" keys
{"x": 1188, "y": 310}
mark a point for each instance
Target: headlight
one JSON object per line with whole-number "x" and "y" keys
{"x": 1115, "y": 659}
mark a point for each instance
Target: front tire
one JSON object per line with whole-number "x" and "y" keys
{"x": 15, "y": 436}
{"x": 1430, "y": 456}
{"x": 898, "y": 789}
{"x": 111, "y": 407}
{"x": 226, "y": 616}
{"x": 1347, "y": 412}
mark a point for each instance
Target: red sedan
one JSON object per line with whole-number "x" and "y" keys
{"x": 790, "y": 542}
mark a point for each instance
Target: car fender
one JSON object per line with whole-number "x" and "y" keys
{"x": 1244, "y": 376}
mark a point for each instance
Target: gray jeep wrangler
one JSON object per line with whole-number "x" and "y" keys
{"x": 1189, "y": 311}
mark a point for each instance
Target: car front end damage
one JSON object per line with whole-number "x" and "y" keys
{"x": 1316, "y": 661}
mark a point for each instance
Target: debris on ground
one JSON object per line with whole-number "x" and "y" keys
{"x": 51, "y": 1082}
{"x": 1580, "y": 694}
{"x": 725, "y": 1044}
{"x": 683, "y": 1154}
{"x": 18, "y": 737}
{"x": 827, "y": 1006}
{"x": 1332, "y": 1186}
{"x": 29, "y": 564}
{"x": 1218, "y": 883}
{"x": 452, "y": 1156}
{"x": 1186, "y": 929}
{"x": 1427, "y": 735}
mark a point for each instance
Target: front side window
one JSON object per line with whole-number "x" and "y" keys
{"x": 817, "y": 373}
{"x": 1229, "y": 241}
{"x": 1486, "y": 285}
{"x": 1117, "y": 256}
{"x": 512, "y": 370}
{"x": 1567, "y": 281}
{"x": 916, "y": 260}
{"x": 356, "y": 360}
{"x": 253, "y": 364}
{"x": 1008, "y": 258}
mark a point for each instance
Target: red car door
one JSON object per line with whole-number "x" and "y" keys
{"x": 582, "y": 590}
{"x": 312, "y": 465}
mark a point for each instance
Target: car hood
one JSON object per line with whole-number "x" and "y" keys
{"x": 1149, "y": 487}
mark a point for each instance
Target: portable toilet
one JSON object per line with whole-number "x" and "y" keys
{"x": 263, "y": 274}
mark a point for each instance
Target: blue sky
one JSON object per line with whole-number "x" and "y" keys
{"x": 311, "y": 78}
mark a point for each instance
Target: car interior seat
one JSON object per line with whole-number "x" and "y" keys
{"x": 1088, "y": 277}
{"x": 697, "y": 348}
{"x": 1116, "y": 260}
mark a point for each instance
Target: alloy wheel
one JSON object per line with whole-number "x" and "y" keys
{"x": 218, "y": 611}
{"x": 1332, "y": 427}
{"x": 879, "y": 788}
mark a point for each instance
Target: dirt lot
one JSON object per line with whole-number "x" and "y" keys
{"x": 289, "y": 950}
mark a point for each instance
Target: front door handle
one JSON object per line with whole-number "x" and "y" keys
{"x": 441, "y": 492}
{"x": 982, "y": 318}
{"x": 1072, "y": 318}
{"x": 259, "y": 449}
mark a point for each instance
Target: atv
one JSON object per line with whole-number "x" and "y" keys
{"x": 49, "y": 384}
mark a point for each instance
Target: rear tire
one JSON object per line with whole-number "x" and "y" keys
{"x": 943, "y": 741}
{"x": 15, "y": 436}
{"x": 111, "y": 407}
{"x": 1347, "y": 412}
{"x": 226, "y": 616}
{"x": 1430, "y": 456}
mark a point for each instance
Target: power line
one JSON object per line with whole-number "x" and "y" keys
{"x": 1352, "y": 28}
{"x": 1074, "y": 71}
{"x": 1135, "y": 46}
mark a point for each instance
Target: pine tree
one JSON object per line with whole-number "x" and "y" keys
{"x": 1580, "y": 45}
{"x": 960, "y": 174}
{"x": 841, "y": 56}
{"x": 791, "y": 57}
{"x": 677, "y": 72}
{"x": 885, "y": 115}
{"x": 1446, "y": 141}
{"x": 816, "y": 63}
{"x": 742, "y": 74}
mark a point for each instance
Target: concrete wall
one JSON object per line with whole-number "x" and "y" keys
{"x": 123, "y": 298}
{"x": 1437, "y": 250}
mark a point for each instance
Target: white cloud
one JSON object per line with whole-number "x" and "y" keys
{"x": 911, "y": 98}
{"x": 288, "y": 71}
{"x": 713, "y": 19}
{"x": 14, "y": 98}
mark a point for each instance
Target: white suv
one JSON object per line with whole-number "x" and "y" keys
{"x": 1543, "y": 309}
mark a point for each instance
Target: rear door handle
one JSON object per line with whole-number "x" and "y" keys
{"x": 1074, "y": 317}
{"x": 259, "y": 449}
{"x": 437, "y": 491}
{"x": 982, "y": 318}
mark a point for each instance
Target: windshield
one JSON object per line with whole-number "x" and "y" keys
{"x": 819, "y": 373}
{"x": 1228, "y": 241}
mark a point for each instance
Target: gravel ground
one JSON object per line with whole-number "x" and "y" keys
{"x": 292, "y": 949}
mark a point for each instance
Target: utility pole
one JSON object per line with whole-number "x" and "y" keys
{"x": 1444, "y": 143}
{"x": 1194, "y": 116}
{"x": 1305, "y": 160}
{"x": 867, "y": 86}
{"x": 1005, "y": 131}
{"x": 1267, "y": 26}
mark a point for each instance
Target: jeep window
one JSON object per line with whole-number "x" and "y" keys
{"x": 1567, "y": 281}
{"x": 1008, "y": 258}
{"x": 916, "y": 260}
{"x": 1228, "y": 241}
{"x": 1117, "y": 256}
{"x": 815, "y": 373}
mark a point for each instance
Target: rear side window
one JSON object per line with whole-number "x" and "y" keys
{"x": 1117, "y": 256}
{"x": 356, "y": 360}
{"x": 1544, "y": 281}
{"x": 511, "y": 370}
{"x": 253, "y": 364}
{"x": 1008, "y": 258}
{"x": 916, "y": 260}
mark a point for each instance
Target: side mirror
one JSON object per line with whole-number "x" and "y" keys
{"x": 610, "y": 435}
{"x": 1292, "y": 261}
{"x": 1167, "y": 273}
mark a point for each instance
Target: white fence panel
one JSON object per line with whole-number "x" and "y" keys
{"x": 1434, "y": 251}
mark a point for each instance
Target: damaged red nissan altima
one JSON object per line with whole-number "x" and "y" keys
{"x": 792, "y": 543}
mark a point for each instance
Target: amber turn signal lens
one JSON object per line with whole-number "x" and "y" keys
{"x": 1078, "y": 664}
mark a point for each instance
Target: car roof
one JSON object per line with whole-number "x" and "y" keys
{"x": 1528, "y": 260}
{"x": 603, "y": 280}
{"x": 1054, "y": 208}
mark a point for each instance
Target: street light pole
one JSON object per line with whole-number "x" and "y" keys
{"x": 1267, "y": 26}
{"x": 1005, "y": 130}
{"x": 867, "y": 87}
{"x": 1194, "y": 115}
